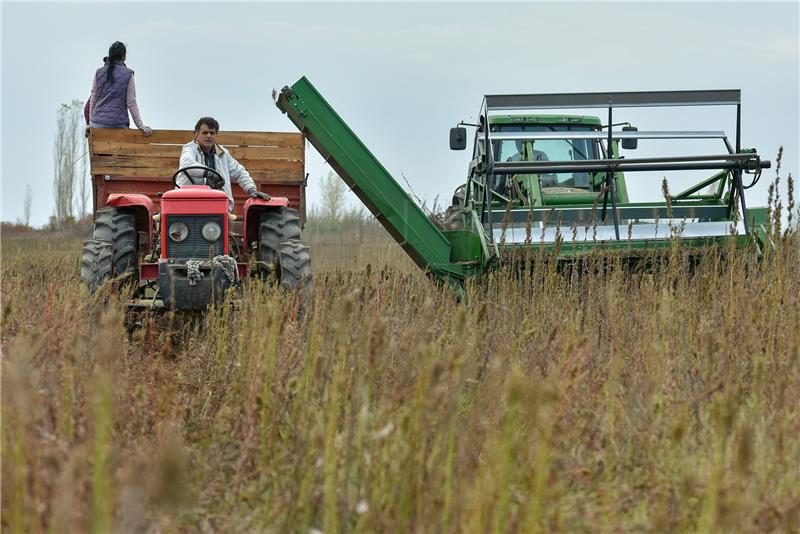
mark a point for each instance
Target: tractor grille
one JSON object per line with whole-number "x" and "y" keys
{"x": 194, "y": 246}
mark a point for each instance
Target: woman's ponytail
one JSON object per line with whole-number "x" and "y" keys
{"x": 116, "y": 52}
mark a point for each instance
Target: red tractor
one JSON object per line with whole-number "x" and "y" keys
{"x": 178, "y": 247}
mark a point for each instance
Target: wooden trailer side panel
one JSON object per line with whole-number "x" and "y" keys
{"x": 125, "y": 161}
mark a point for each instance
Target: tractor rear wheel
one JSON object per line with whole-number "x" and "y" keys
{"x": 276, "y": 227}
{"x": 294, "y": 260}
{"x": 96, "y": 263}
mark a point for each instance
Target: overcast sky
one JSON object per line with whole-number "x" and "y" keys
{"x": 399, "y": 74}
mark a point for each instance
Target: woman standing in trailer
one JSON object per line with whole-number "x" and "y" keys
{"x": 114, "y": 94}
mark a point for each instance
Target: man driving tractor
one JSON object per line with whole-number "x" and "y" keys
{"x": 204, "y": 151}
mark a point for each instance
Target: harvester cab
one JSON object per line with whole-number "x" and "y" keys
{"x": 177, "y": 246}
{"x": 552, "y": 182}
{"x": 562, "y": 176}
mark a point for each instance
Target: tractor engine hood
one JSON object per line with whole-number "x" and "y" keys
{"x": 194, "y": 207}
{"x": 194, "y": 199}
{"x": 194, "y": 192}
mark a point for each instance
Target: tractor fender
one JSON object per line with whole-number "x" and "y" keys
{"x": 142, "y": 208}
{"x": 253, "y": 208}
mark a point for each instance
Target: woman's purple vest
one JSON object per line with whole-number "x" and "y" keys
{"x": 111, "y": 103}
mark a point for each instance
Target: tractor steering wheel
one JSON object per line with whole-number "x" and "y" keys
{"x": 216, "y": 181}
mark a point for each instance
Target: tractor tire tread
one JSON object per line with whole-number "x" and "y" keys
{"x": 276, "y": 227}
{"x": 118, "y": 227}
{"x": 295, "y": 265}
{"x": 96, "y": 263}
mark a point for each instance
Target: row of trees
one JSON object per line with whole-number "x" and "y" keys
{"x": 335, "y": 215}
{"x": 334, "y": 211}
{"x": 70, "y": 179}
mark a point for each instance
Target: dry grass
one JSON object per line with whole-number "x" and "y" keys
{"x": 661, "y": 402}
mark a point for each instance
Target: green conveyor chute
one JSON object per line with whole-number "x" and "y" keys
{"x": 369, "y": 180}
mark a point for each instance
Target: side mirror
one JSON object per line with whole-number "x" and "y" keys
{"x": 630, "y": 144}
{"x": 458, "y": 138}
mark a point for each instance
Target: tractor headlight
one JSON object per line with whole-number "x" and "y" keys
{"x": 211, "y": 231}
{"x": 178, "y": 231}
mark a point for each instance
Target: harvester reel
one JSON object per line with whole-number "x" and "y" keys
{"x": 214, "y": 182}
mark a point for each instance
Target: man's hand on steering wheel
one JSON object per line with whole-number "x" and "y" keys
{"x": 211, "y": 177}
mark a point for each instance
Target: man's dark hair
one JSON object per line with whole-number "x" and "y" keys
{"x": 211, "y": 122}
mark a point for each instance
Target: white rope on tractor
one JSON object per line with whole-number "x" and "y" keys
{"x": 227, "y": 265}
{"x": 193, "y": 273}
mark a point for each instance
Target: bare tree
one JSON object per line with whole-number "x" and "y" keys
{"x": 67, "y": 149}
{"x": 27, "y": 205}
{"x": 84, "y": 179}
{"x": 333, "y": 199}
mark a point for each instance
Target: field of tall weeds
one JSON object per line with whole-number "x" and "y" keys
{"x": 603, "y": 398}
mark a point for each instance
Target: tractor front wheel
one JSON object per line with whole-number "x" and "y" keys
{"x": 119, "y": 228}
{"x": 276, "y": 227}
{"x": 96, "y": 263}
{"x": 294, "y": 260}
{"x": 113, "y": 250}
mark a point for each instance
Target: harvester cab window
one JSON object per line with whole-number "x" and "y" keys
{"x": 565, "y": 150}
{"x": 549, "y": 150}
{"x": 510, "y": 151}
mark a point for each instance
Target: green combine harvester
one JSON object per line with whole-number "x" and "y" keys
{"x": 548, "y": 181}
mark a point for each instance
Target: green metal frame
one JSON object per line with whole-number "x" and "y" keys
{"x": 452, "y": 255}
{"x": 371, "y": 182}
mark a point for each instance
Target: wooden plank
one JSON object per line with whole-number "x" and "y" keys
{"x": 279, "y": 176}
{"x": 263, "y": 139}
{"x": 173, "y": 151}
{"x": 134, "y": 162}
{"x": 271, "y": 164}
{"x": 162, "y": 173}
{"x": 242, "y": 138}
{"x": 147, "y": 181}
{"x": 253, "y": 152}
{"x": 167, "y": 166}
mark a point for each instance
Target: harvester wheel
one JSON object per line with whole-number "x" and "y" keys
{"x": 294, "y": 260}
{"x": 453, "y": 218}
{"x": 119, "y": 228}
{"x": 276, "y": 227}
{"x": 96, "y": 263}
